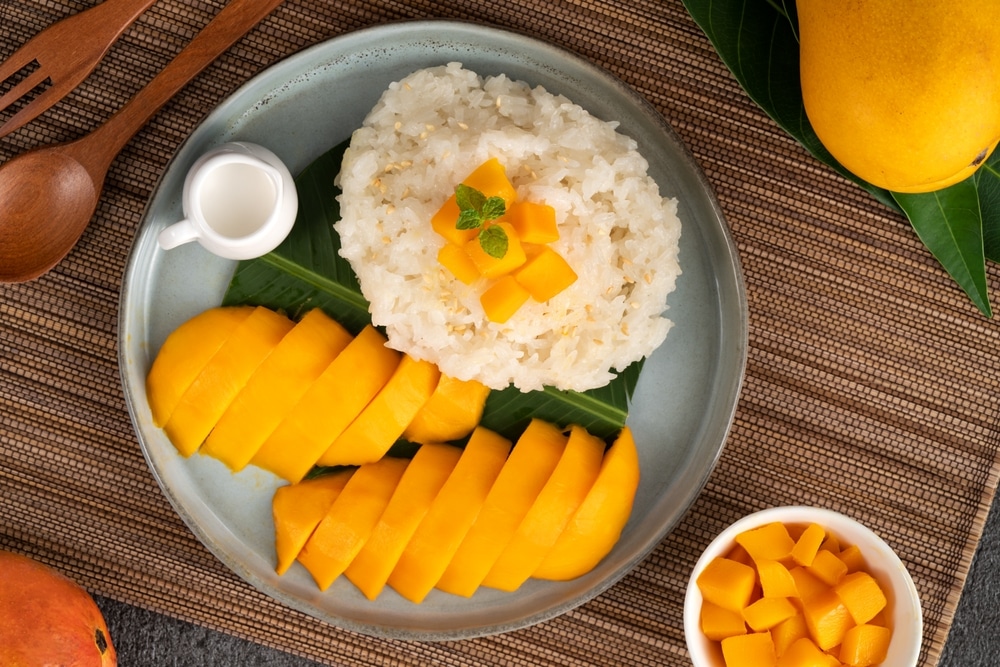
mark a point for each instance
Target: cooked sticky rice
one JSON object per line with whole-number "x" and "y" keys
{"x": 431, "y": 130}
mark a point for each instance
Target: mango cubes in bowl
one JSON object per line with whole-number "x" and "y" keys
{"x": 801, "y": 587}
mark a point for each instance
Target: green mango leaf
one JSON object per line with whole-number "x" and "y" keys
{"x": 758, "y": 42}
{"x": 988, "y": 186}
{"x": 948, "y": 222}
{"x": 306, "y": 272}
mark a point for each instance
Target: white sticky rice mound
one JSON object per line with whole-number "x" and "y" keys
{"x": 425, "y": 135}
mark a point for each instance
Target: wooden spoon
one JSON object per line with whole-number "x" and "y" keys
{"x": 48, "y": 196}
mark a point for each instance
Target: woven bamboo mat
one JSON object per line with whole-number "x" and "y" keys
{"x": 871, "y": 383}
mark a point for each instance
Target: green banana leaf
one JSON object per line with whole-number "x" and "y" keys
{"x": 758, "y": 41}
{"x": 306, "y": 272}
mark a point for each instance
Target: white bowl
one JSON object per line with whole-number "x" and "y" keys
{"x": 904, "y": 610}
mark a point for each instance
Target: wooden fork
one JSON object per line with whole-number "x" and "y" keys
{"x": 65, "y": 53}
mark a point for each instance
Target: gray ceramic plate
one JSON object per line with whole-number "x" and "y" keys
{"x": 302, "y": 107}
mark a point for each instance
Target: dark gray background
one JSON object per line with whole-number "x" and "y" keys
{"x": 145, "y": 639}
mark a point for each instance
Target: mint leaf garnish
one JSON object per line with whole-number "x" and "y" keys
{"x": 493, "y": 241}
{"x": 475, "y": 209}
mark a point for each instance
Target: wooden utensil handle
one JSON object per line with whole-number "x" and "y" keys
{"x": 231, "y": 23}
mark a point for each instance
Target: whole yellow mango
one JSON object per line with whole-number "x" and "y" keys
{"x": 905, "y": 95}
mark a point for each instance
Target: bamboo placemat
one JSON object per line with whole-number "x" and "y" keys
{"x": 871, "y": 383}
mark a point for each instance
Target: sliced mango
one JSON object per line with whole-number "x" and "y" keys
{"x": 533, "y": 222}
{"x": 490, "y": 178}
{"x": 349, "y": 522}
{"x": 552, "y": 510}
{"x": 452, "y": 412}
{"x": 333, "y": 401}
{"x": 385, "y": 418}
{"x": 597, "y": 524}
{"x": 223, "y": 377}
{"x": 503, "y": 298}
{"x": 529, "y": 466}
{"x": 277, "y": 384}
{"x": 456, "y": 507}
{"x": 184, "y": 354}
{"x": 827, "y": 567}
{"x": 417, "y": 489}
{"x": 298, "y": 509}
{"x": 545, "y": 275}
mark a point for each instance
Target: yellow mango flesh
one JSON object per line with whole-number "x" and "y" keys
{"x": 552, "y": 510}
{"x": 385, "y": 418}
{"x": 410, "y": 502}
{"x": 490, "y": 178}
{"x": 865, "y": 645}
{"x": 766, "y": 613}
{"x": 223, "y": 377}
{"x": 184, "y": 354}
{"x": 494, "y": 267}
{"x": 808, "y": 544}
{"x": 331, "y": 403}
{"x": 803, "y": 653}
{"x": 727, "y": 583}
{"x": 452, "y": 412}
{"x": 718, "y": 623}
{"x": 770, "y": 542}
{"x": 907, "y": 100}
{"x": 298, "y": 509}
{"x": 277, "y": 384}
{"x": 598, "y": 522}
{"x": 545, "y": 275}
{"x": 749, "y": 650}
{"x": 503, "y": 298}
{"x": 349, "y": 522}
{"x": 529, "y": 466}
{"x": 775, "y": 580}
{"x": 453, "y": 511}
{"x": 457, "y": 261}
{"x": 862, "y": 596}
{"x": 533, "y": 222}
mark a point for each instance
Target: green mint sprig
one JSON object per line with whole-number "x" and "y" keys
{"x": 475, "y": 210}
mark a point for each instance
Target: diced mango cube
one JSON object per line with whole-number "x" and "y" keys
{"x": 828, "y": 568}
{"x": 502, "y": 299}
{"x": 862, "y": 596}
{"x": 766, "y": 613}
{"x": 457, "y": 261}
{"x": 806, "y": 583}
{"x": 718, "y": 623}
{"x": 494, "y": 267}
{"x": 769, "y": 542}
{"x": 852, "y": 558}
{"x": 740, "y": 555}
{"x": 490, "y": 178}
{"x": 727, "y": 583}
{"x": 786, "y": 632}
{"x": 831, "y": 544}
{"x": 865, "y": 645}
{"x": 803, "y": 653}
{"x": 775, "y": 580}
{"x": 827, "y": 619}
{"x": 535, "y": 223}
{"x": 808, "y": 544}
{"x": 546, "y": 275}
{"x": 751, "y": 650}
